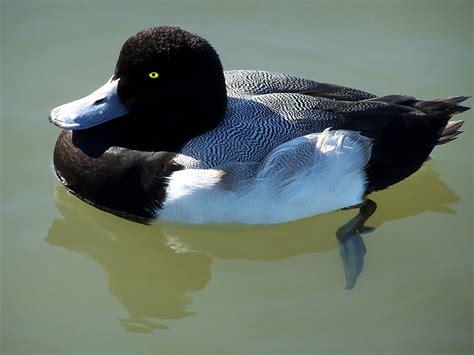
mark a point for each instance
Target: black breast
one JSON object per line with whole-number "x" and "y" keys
{"x": 127, "y": 182}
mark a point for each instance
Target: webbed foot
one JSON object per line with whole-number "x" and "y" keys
{"x": 351, "y": 245}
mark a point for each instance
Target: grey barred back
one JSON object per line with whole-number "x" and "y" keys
{"x": 265, "y": 110}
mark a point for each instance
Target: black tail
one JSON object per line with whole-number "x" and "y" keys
{"x": 445, "y": 107}
{"x": 405, "y": 131}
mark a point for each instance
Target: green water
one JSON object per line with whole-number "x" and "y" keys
{"x": 75, "y": 280}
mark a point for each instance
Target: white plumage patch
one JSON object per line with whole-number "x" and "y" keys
{"x": 309, "y": 175}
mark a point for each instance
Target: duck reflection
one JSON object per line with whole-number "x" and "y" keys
{"x": 153, "y": 269}
{"x": 151, "y": 280}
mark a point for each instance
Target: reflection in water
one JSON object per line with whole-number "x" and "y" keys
{"x": 150, "y": 279}
{"x": 423, "y": 191}
{"x": 152, "y": 269}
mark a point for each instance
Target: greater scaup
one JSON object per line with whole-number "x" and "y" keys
{"x": 173, "y": 136}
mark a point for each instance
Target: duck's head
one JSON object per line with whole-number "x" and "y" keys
{"x": 167, "y": 82}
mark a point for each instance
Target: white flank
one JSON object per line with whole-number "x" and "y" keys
{"x": 309, "y": 175}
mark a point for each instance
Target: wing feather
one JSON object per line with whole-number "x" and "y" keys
{"x": 256, "y": 82}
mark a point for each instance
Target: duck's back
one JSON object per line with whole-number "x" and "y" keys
{"x": 264, "y": 111}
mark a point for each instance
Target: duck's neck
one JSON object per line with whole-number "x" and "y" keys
{"x": 126, "y": 132}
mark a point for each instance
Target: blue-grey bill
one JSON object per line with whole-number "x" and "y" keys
{"x": 101, "y": 106}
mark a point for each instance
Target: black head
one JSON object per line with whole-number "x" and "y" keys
{"x": 173, "y": 82}
{"x": 168, "y": 86}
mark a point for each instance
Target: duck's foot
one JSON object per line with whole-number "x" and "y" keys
{"x": 351, "y": 245}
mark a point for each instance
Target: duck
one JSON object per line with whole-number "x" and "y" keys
{"x": 172, "y": 136}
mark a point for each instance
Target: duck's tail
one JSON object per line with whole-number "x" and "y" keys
{"x": 445, "y": 107}
{"x": 450, "y": 132}
{"x": 405, "y": 131}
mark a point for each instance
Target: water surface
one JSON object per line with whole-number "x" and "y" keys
{"x": 75, "y": 280}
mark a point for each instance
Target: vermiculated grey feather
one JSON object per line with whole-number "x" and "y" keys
{"x": 265, "y": 110}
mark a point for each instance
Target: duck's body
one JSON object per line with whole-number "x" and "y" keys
{"x": 265, "y": 155}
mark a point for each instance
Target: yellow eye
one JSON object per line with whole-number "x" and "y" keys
{"x": 154, "y": 75}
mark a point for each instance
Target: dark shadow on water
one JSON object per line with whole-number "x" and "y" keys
{"x": 153, "y": 270}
